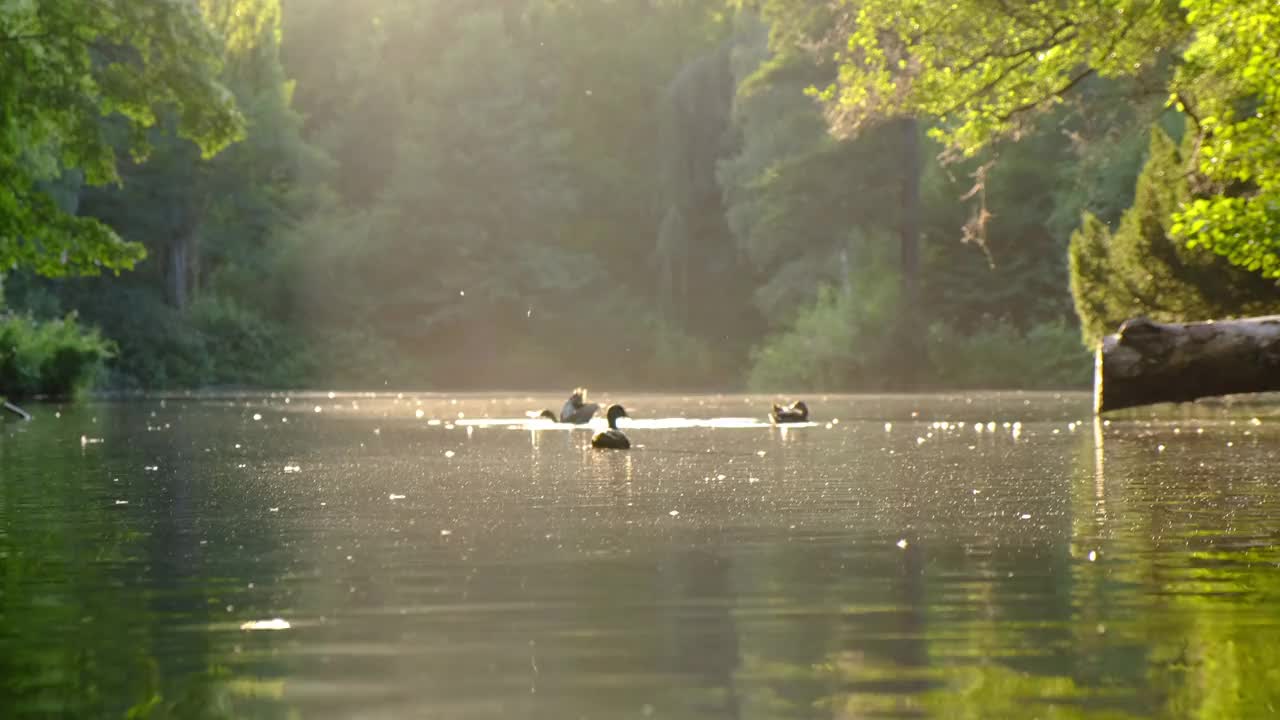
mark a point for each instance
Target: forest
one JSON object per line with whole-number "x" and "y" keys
{"x": 669, "y": 194}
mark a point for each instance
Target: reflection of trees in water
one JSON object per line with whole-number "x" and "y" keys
{"x": 104, "y": 604}
{"x": 700, "y": 636}
{"x": 1200, "y": 637}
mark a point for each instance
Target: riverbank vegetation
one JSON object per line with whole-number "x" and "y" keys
{"x": 649, "y": 193}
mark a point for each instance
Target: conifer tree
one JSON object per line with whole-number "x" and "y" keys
{"x": 1141, "y": 269}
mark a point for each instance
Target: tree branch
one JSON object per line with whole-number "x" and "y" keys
{"x": 24, "y": 38}
{"x": 1056, "y": 93}
{"x": 1186, "y": 109}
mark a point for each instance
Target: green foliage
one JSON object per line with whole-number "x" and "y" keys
{"x": 1142, "y": 269}
{"x": 1229, "y": 83}
{"x": 69, "y": 64}
{"x": 797, "y": 201}
{"x": 211, "y": 308}
{"x": 998, "y": 355}
{"x": 57, "y": 358}
{"x": 568, "y": 191}
{"x": 837, "y": 343}
{"x": 245, "y": 348}
{"x": 984, "y": 72}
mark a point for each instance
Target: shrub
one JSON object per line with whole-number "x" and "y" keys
{"x": 158, "y": 346}
{"x": 837, "y": 343}
{"x": 998, "y": 355}
{"x": 53, "y": 357}
{"x": 247, "y": 348}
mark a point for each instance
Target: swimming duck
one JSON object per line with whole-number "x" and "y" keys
{"x": 576, "y": 410}
{"x": 612, "y": 439}
{"x": 795, "y": 412}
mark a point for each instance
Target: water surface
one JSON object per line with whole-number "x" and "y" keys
{"x": 428, "y": 556}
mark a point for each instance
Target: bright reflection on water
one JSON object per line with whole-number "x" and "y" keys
{"x": 946, "y": 556}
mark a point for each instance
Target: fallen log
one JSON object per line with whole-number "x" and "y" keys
{"x": 17, "y": 410}
{"x": 1149, "y": 362}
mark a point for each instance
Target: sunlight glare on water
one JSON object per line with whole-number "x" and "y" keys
{"x": 425, "y": 555}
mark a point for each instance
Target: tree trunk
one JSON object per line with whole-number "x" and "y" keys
{"x": 179, "y": 266}
{"x": 1149, "y": 362}
{"x": 909, "y": 335}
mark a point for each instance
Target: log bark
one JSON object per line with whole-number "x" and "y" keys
{"x": 1149, "y": 362}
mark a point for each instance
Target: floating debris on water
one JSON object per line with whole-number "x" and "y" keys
{"x": 122, "y": 502}
{"x": 151, "y": 468}
{"x": 449, "y": 453}
{"x": 446, "y": 533}
{"x": 1093, "y": 555}
{"x": 394, "y": 496}
{"x": 902, "y": 544}
{"x": 418, "y": 413}
{"x": 888, "y": 427}
{"x": 292, "y": 468}
{"x": 674, "y": 513}
{"x": 272, "y": 624}
{"x": 318, "y": 408}
{"x": 257, "y": 416}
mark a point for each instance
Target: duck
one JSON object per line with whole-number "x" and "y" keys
{"x": 576, "y": 410}
{"x": 547, "y": 415}
{"x": 793, "y": 413}
{"x": 612, "y": 439}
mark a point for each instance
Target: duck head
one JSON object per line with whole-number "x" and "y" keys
{"x": 613, "y": 413}
{"x": 799, "y": 405}
{"x": 578, "y": 397}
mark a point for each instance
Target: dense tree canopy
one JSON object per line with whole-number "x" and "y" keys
{"x": 68, "y": 65}
{"x": 639, "y": 192}
{"x": 984, "y": 69}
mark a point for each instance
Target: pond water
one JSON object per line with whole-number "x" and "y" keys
{"x": 428, "y": 556}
